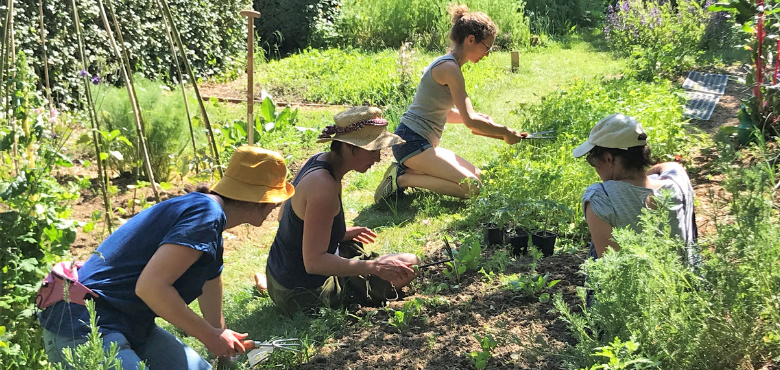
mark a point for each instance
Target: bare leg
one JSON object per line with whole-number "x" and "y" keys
{"x": 409, "y": 258}
{"x": 442, "y": 171}
{"x": 260, "y": 281}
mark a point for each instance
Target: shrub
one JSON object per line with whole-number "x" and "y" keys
{"x": 659, "y": 37}
{"x": 724, "y": 318}
{"x": 517, "y": 182}
{"x": 386, "y": 23}
{"x": 558, "y": 17}
{"x": 213, "y": 32}
{"x": 164, "y": 118}
{"x": 287, "y": 26}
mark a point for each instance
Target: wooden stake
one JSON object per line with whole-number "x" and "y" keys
{"x": 133, "y": 100}
{"x": 250, "y": 71}
{"x": 177, "y": 38}
{"x": 515, "y": 61}
{"x": 45, "y": 63}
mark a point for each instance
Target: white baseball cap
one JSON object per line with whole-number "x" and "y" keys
{"x": 617, "y": 131}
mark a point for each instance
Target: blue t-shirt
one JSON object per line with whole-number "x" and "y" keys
{"x": 194, "y": 220}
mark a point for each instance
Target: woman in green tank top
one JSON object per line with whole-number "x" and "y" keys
{"x": 441, "y": 98}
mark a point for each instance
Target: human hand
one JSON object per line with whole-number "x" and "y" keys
{"x": 360, "y": 234}
{"x": 486, "y": 118}
{"x": 393, "y": 270}
{"x": 225, "y": 342}
{"x": 513, "y": 137}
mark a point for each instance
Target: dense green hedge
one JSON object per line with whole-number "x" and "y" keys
{"x": 287, "y": 26}
{"x": 213, "y": 32}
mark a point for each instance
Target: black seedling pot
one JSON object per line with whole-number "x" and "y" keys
{"x": 493, "y": 234}
{"x": 518, "y": 239}
{"x": 545, "y": 241}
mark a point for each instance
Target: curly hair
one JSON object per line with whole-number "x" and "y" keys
{"x": 465, "y": 24}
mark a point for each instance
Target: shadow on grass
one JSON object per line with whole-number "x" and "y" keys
{"x": 407, "y": 208}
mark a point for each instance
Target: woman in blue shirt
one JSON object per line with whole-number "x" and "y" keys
{"x": 158, "y": 262}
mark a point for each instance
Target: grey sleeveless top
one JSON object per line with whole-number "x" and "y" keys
{"x": 428, "y": 112}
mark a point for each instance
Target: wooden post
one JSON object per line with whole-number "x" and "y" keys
{"x": 515, "y": 61}
{"x": 250, "y": 72}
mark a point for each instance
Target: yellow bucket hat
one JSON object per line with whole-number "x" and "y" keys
{"x": 362, "y": 127}
{"x": 255, "y": 175}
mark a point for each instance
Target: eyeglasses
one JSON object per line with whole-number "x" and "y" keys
{"x": 488, "y": 49}
{"x": 591, "y": 159}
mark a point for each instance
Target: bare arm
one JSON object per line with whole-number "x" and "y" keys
{"x": 450, "y": 74}
{"x": 155, "y": 288}
{"x": 211, "y": 303}
{"x": 321, "y": 206}
{"x": 600, "y": 232}
{"x": 663, "y": 167}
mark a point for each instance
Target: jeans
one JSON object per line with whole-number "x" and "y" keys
{"x": 414, "y": 145}
{"x": 161, "y": 351}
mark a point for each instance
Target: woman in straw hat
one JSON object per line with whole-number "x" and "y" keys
{"x": 617, "y": 149}
{"x": 421, "y": 163}
{"x": 315, "y": 258}
{"x": 160, "y": 261}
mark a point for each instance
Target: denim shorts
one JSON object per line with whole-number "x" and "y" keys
{"x": 414, "y": 145}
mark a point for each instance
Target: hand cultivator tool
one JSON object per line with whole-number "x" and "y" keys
{"x": 450, "y": 255}
{"x": 260, "y": 351}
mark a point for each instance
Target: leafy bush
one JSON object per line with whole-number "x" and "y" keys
{"x": 164, "y": 118}
{"x": 34, "y": 208}
{"x": 660, "y": 37}
{"x": 213, "y": 32}
{"x": 517, "y": 182}
{"x": 558, "y": 17}
{"x": 387, "y": 23}
{"x": 724, "y": 318}
{"x": 287, "y": 26}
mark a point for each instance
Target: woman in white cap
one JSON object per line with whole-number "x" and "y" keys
{"x": 161, "y": 260}
{"x": 315, "y": 259}
{"x": 441, "y": 98}
{"x": 617, "y": 149}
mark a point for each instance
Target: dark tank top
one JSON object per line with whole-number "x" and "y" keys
{"x": 285, "y": 260}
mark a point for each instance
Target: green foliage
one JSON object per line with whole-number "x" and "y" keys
{"x": 559, "y": 17}
{"x": 402, "y": 318}
{"x": 530, "y": 286}
{"x": 620, "y": 355}
{"x": 288, "y": 26}
{"x": 213, "y": 32}
{"x": 660, "y": 37}
{"x": 517, "y": 181}
{"x": 468, "y": 257}
{"x": 388, "y": 24}
{"x": 720, "y": 318}
{"x": 90, "y": 355}
{"x": 34, "y": 209}
{"x": 165, "y": 122}
{"x": 480, "y": 358}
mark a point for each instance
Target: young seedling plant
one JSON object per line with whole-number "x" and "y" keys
{"x": 480, "y": 358}
{"x": 531, "y": 286}
{"x": 403, "y": 317}
{"x": 467, "y": 258}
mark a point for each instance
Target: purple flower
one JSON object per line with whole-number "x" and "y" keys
{"x": 624, "y": 6}
{"x": 83, "y": 73}
{"x": 95, "y": 80}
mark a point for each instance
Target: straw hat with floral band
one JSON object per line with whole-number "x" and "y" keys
{"x": 255, "y": 175}
{"x": 362, "y": 127}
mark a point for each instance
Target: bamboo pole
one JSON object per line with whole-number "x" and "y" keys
{"x": 8, "y": 90}
{"x": 250, "y": 71}
{"x": 45, "y": 63}
{"x": 93, "y": 120}
{"x": 181, "y": 84}
{"x": 3, "y": 58}
{"x": 133, "y": 100}
{"x": 187, "y": 66}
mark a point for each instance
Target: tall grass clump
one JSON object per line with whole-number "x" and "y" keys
{"x": 164, "y": 118}
{"x": 559, "y": 17}
{"x": 723, "y": 317}
{"x": 388, "y": 24}
{"x": 520, "y": 183}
